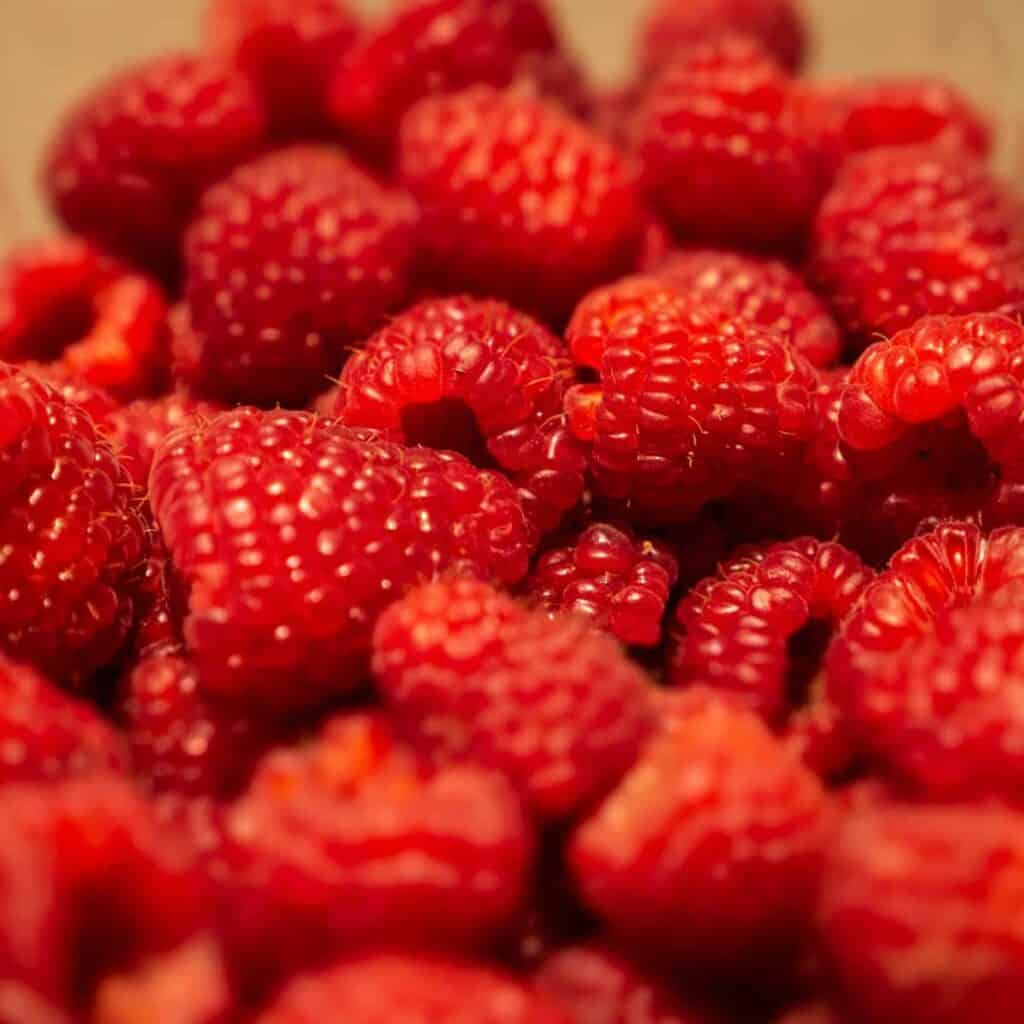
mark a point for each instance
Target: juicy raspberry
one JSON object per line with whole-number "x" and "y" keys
{"x": 723, "y": 122}
{"x": 62, "y": 303}
{"x": 551, "y": 703}
{"x": 606, "y": 574}
{"x": 99, "y": 404}
{"x": 385, "y": 989}
{"x": 289, "y": 49}
{"x": 70, "y": 536}
{"x": 351, "y": 840}
{"x": 908, "y": 231}
{"x": 711, "y": 846}
{"x": 518, "y": 199}
{"x": 291, "y": 258}
{"x": 476, "y": 377}
{"x": 291, "y": 534}
{"x": 920, "y": 915}
{"x": 130, "y": 160}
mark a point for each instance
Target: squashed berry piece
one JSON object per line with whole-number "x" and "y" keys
{"x": 909, "y": 231}
{"x": 71, "y": 537}
{"x": 130, "y": 160}
{"x": 518, "y": 199}
{"x": 724, "y": 121}
{"x": 290, "y": 259}
{"x": 920, "y": 918}
{"x": 289, "y": 49}
{"x": 388, "y": 988}
{"x": 610, "y": 576}
{"x": 551, "y": 703}
{"x": 477, "y": 377}
{"x": 291, "y": 534}
{"x": 711, "y": 846}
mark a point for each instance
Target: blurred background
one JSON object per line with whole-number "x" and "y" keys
{"x": 52, "y": 49}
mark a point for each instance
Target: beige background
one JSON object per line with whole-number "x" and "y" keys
{"x": 50, "y": 49}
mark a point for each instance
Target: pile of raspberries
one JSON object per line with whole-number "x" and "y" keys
{"x": 480, "y": 549}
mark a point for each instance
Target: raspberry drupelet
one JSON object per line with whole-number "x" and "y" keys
{"x": 291, "y": 534}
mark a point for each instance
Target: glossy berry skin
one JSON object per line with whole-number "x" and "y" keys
{"x": 608, "y": 575}
{"x": 129, "y": 162}
{"x": 264, "y": 514}
{"x": 290, "y": 259}
{"x": 710, "y": 847}
{"x": 918, "y": 914}
{"x": 910, "y": 231}
{"x": 70, "y": 532}
{"x": 553, "y": 705}
{"x": 518, "y": 199}
{"x": 477, "y": 377}
{"x": 724, "y": 121}
{"x": 385, "y": 988}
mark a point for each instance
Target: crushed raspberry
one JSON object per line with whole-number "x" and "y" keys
{"x": 264, "y": 514}
{"x": 551, "y": 703}
{"x": 540, "y": 232}
{"x": 290, "y": 259}
{"x": 129, "y": 162}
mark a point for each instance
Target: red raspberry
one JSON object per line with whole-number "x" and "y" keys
{"x": 289, "y": 49}
{"x": 63, "y": 304}
{"x": 710, "y": 847}
{"x": 130, "y": 160}
{"x": 385, "y": 989}
{"x": 518, "y": 199}
{"x": 606, "y": 574}
{"x": 351, "y": 841}
{"x": 99, "y": 404}
{"x": 291, "y": 535}
{"x": 811, "y": 1013}
{"x": 551, "y": 703}
{"x": 724, "y": 121}
{"x": 71, "y": 537}
{"x": 920, "y": 915}
{"x": 909, "y": 231}
{"x": 290, "y": 259}
{"x": 476, "y": 377}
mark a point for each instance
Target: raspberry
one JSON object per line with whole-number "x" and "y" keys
{"x": 99, "y": 404}
{"x": 289, "y": 50}
{"x": 70, "y": 536}
{"x": 62, "y": 303}
{"x": 129, "y": 162}
{"x": 811, "y": 1013}
{"x": 920, "y": 917}
{"x": 606, "y": 574}
{"x": 518, "y": 199}
{"x": 911, "y": 231}
{"x": 291, "y": 534}
{"x": 291, "y": 258}
{"x": 385, "y": 989}
{"x": 477, "y": 377}
{"x": 724, "y": 121}
{"x": 680, "y": 25}
{"x": 352, "y": 841}
{"x": 711, "y": 846}
{"x": 552, "y": 704}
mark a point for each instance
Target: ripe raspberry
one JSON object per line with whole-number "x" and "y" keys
{"x": 710, "y": 847}
{"x": 388, "y": 988}
{"x": 292, "y": 534}
{"x": 129, "y": 162}
{"x": 476, "y": 377}
{"x": 70, "y": 536}
{"x": 99, "y": 404}
{"x": 606, "y": 574}
{"x": 291, "y": 258}
{"x": 920, "y": 915}
{"x": 289, "y": 50}
{"x": 551, "y": 703}
{"x": 724, "y": 121}
{"x": 63, "y": 304}
{"x": 518, "y": 199}
{"x": 911, "y": 231}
